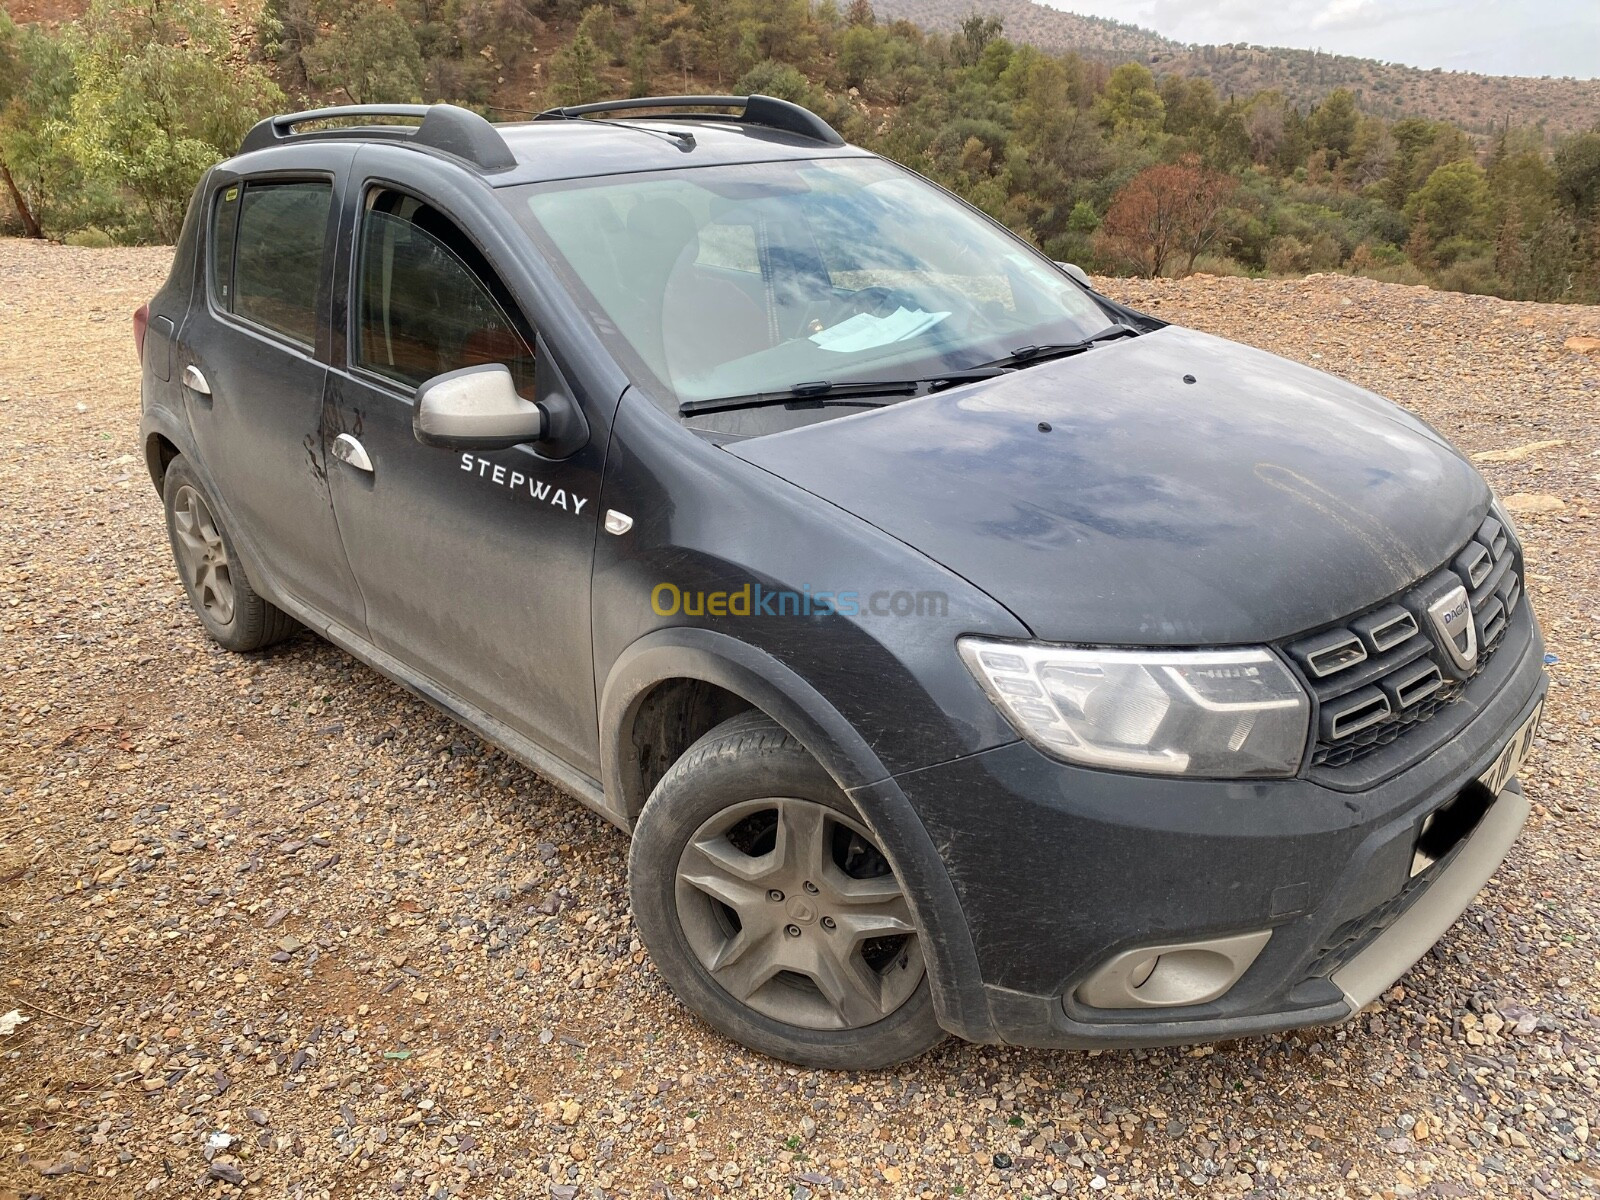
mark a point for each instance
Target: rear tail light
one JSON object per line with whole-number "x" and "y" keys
{"x": 141, "y": 322}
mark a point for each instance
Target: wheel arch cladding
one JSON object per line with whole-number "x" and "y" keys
{"x": 159, "y": 451}
{"x": 676, "y": 679}
{"x": 680, "y": 657}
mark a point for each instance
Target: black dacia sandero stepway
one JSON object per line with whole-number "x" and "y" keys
{"x": 964, "y": 651}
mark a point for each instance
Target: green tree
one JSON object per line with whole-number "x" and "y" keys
{"x": 775, "y": 79}
{"x": 1522, "y": 180}
{"x": 1191, "y": 107}
{"x": 1131, "y": 106}
{"x": 1551, "y": 259}
{"x": 285, "y": 29}
{"x": 36, "y": 86}
{"x": 158, "y": 101}
{"x": 369, "y": 53}
{"x": 1453, "y": 203}
{"x": 1332, "y": 124}
{"x": 575, "y": 72}
{"x": 861, "y": 52}
{"x": 599, "y": 25}
{"x": 642, "y": 59}
{"x": 977, "y": 31}
{"x": 1577, "y": 168}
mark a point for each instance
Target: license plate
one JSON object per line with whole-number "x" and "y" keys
{"x": 1516, "y": 751}
{"x": 1444, "y": 828}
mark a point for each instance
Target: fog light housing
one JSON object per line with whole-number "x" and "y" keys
{"x": 1170, "y": 975}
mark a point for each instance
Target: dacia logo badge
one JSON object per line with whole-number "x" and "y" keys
{"x": 1451, "y": 616}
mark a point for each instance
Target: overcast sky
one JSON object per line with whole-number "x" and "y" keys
{"x": 1496, "y": 37}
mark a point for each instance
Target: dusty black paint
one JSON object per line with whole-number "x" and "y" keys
{"x": 1188, "y": 491}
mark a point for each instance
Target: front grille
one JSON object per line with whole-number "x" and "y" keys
{"x": 1383, "y": 672}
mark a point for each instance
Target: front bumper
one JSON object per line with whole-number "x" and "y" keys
{"x": 1059, "y": 868}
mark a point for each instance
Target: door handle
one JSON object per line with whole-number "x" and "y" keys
{"x": 194, "y": 379}
{"x": 351, "y": 452}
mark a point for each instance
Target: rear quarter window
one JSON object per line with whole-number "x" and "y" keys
{"x": 224, "y": 222}
{"x": 268, "y": 244}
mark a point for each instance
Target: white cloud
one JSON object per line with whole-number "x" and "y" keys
{"x": 1346, "y": 14}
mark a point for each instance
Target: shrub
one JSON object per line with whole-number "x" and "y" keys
{"x": 1288, "y": 255}
{"x": 1475, "y": 275}
{"x": 92, "y": 238}
{"x": 1221, "y": 264}
{"x": 774, "y": 79}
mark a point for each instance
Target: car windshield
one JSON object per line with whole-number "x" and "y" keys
{"x": 736, "y": 280}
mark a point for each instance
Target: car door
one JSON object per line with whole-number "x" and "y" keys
{"x": 475, "y": 566}
{"x": 253, "y": 381}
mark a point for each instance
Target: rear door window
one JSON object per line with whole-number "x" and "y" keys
{"x": 269, "y": 242}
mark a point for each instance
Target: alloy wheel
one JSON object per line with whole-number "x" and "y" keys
{"x": 795, "y": 912}
{"x": 203, "y": 555}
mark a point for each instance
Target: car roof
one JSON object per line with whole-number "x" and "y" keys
{"x": 564, "y": 143}
{"x": 581, "y": 149}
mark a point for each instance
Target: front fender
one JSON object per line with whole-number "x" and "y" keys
{"x": 768, "y": 685}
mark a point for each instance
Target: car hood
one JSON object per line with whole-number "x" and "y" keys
{"x": 1170, "y": 489}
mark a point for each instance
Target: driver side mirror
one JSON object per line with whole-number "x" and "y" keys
{"x": 1077, "y": 273}
{"x": 478, "y": 408}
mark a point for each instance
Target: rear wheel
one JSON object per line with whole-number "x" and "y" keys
{"x": 219, "y": 590}
{"x": 770, "y": 909}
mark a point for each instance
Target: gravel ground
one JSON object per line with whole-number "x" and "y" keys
{"x": 277, "y": 927}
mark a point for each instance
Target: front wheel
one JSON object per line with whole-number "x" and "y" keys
{"x": 771, "y": 911}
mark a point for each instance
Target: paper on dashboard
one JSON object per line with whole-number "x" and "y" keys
{"x": 864, "y": 331}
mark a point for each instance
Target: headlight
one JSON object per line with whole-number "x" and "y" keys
{"x": 1227, "y": 713}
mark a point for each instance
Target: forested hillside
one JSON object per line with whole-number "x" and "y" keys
{"x": 107, "y": 120}
{"x": 1481, "y": 104}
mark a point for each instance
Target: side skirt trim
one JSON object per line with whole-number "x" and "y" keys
{"x": 496, "y": 732}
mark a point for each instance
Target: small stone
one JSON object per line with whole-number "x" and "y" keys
{"x": 124, "y": 846}
{"x": 226, "y": 1172}
{"x": 1582, "y": 345}
{"x": 1516, "y": 453}
{"x": 1531, "y": 503}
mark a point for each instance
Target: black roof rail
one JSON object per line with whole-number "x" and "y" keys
{"x": 445, "y": 127}
{"x": 766, "y": 111}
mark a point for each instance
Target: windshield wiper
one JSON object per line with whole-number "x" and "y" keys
{"x": 1027, "y": 356}
{"x": 824, "y": 392}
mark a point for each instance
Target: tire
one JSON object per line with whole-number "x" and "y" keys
{"x": 748, "y": 860}
{"x": 236, "y": 617}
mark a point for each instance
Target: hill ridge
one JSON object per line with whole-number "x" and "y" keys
{"x": 1478, "y": 103}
